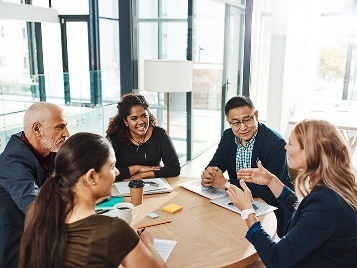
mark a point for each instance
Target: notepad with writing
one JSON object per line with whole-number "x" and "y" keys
{"x": 172, "y": 208}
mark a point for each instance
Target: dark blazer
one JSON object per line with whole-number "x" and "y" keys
{"x": 269, "y": 148}
{"x": 322, "y": 233}
{"x": 21, "y": 176}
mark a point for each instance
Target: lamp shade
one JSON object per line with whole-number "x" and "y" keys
{"x": 168, "y": 75}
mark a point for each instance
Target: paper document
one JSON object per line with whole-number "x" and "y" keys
{"x": 152, "y": 186}
{"x": 260, "y": 208}
{"x": 164, "y": 247}
{"x": 208, "y": 192}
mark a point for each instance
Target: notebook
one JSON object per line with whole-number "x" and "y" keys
{"x": 220, "y": 197}
{"x": 152, "y": 186}
{"x": 109, "y": 204}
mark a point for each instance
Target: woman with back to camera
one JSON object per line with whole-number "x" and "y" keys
{"x": 140, "y": 144}
{"x": 61, "y": 227}
{"x": 323, "y": 229}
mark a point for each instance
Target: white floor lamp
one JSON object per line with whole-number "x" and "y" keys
{"x": 168, "y": 76}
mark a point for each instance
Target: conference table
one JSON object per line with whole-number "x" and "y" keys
{"x": 208, "y": 235}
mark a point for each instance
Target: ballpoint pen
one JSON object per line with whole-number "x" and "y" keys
{"x": 257, "y": 160}
{"x": 101, "y": 211}
{"x": 141, "y": 231}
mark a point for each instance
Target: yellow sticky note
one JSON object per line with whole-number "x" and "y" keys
{"x": 172, "y": 208}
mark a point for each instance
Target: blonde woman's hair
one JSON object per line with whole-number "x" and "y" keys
{"x": 328, "y": 160}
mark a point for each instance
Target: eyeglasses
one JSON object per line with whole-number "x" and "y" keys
{"x": 246, "y": 121}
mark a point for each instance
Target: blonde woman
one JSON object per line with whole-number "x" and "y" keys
{"x": 323, "y": 229}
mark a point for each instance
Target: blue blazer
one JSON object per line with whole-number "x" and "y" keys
{"x": 322, "y": 233}
{"x": 269, "y": 148}
{"x": 21, "y": 176}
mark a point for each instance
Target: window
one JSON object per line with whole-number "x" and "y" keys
{"x": 2, "y": 32}
{"x": 3, "y": 62}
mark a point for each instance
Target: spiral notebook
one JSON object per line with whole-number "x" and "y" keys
{"x": 152, "y": 186}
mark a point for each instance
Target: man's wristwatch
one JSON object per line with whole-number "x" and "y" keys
{"x": 245, "y": 213}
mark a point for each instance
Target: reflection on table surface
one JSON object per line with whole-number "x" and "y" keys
{"x": 208, "y": 235}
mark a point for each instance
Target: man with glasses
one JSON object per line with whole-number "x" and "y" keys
{"x": 247, "y": 142}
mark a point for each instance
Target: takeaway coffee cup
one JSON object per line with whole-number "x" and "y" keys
{"x": 136, "y": 191}
{"x": 126, "y": 211}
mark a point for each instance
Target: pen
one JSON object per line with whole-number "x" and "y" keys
{"x": 102, "y": 211}
{"x": 141, "y": 231}
{"x": 257, "y": 160}
{"x": 153, "y": 224}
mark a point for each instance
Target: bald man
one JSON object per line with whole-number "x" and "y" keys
{"x": 25, "y": 164}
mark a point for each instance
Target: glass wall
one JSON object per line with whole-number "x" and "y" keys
{"x": 162, "y": 31}
{"x": 304, "y": 64}
{"x": 66, "y": 52}
{"x": 208, "y": 58}
{"x": 109, "y": 49}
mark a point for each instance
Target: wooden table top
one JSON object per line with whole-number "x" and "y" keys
{"x": 207, "y": 234}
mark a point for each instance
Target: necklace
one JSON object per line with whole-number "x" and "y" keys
{"x": 140, "y": 143}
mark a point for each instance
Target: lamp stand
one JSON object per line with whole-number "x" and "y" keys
{"x": 168, "y": 112}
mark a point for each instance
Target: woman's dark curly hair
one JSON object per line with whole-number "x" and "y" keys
{"x": 117, "y": 125}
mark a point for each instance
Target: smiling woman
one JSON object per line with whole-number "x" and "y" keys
{"x": 139, "y": 144}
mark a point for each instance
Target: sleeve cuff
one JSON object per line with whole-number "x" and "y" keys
{"x": 285, "y": 193}
{"x": 253, "y": 229}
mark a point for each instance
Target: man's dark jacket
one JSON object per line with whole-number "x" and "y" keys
{"x": 269, "y": 148}
{"x": 21, "y": 176}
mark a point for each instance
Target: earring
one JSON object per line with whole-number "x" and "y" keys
{"x": 93, "y": 183}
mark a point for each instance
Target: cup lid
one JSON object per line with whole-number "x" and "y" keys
{"x": 136, "y": 184}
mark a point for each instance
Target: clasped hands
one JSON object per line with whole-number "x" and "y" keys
{"x": 213, "y": 177}
{"x": 241, "y": 198}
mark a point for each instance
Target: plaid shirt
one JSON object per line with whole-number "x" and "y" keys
{"x": 244, "y": 153}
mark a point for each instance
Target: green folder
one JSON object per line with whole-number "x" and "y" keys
{"x": 109, "y": 204}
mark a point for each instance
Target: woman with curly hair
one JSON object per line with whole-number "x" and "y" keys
{"x": 139, "y": 143}
{"x": 323, "y": 229}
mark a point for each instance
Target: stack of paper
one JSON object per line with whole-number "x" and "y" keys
{"x": 164, "y": 247}
{"x": 220, "y": 197}
{"x": 152, "y": 186}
